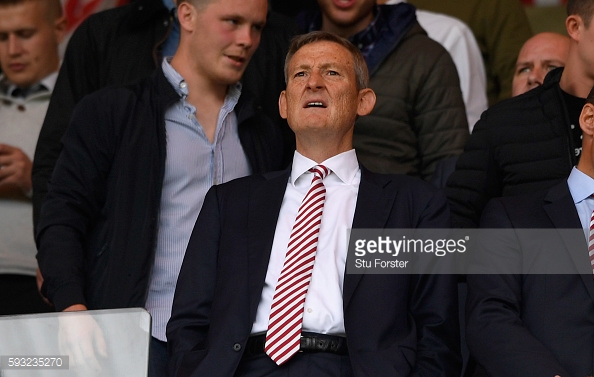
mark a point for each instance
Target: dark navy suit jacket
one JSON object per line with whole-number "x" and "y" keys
{"x": 535, "y": 325}
{"x": 396, "y": 325}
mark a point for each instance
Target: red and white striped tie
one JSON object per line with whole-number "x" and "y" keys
{"x": 286, "y": 313}
{"x": 591, "y": 241}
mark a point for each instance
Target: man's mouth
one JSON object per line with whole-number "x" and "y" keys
{"x": 315, "y": 104}
{"x": 239, "y": 60}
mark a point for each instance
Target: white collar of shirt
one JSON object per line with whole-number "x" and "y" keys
{"x": 344, "y": 166}
{"x": 48, "y": 81}
{"x": 580, "y": 185}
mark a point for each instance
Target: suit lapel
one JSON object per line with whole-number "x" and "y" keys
{"x": 560, "y": 208}
{"x": 374, "y": 204}
{"x": 266, "y": 197}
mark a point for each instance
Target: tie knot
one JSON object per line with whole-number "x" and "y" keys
{"x": 320, "y": 171}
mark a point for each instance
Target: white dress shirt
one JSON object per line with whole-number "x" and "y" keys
{"x": 323, "y": 311}
{"x": 456, "y": 37}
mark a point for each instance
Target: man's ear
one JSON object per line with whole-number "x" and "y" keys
{"x": 282, "y": 104}
{"x": 587, "y": 119}
{"x": 366, "y": 101}
{"x": 574, "y": 24}
{"x": 60, "y": 27}
{"x": 186, "y": 13}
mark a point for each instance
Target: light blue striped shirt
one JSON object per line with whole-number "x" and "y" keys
{"x": 192, "y": 166}
{"x": 581, "y": 187}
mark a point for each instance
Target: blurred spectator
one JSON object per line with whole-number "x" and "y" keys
{"x": 458, "y": 39}
{"x": 500, "y": 28}
{"x": 419, "y": 118}
{"x": 120, "y": 46}
{"x": 529, "y": 142}
{"x": 539, "y": 55}
{"x": 30, "y": 31}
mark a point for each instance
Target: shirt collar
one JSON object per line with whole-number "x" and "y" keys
{"x": 181, "y": 88}
{"x": 48, "y": 82}
{"x": 344, "y": 166}
{"x": 366, "y": 38}
{"x": 580, "y": 185}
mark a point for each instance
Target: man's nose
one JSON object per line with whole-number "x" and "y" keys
{"x": 536, "y": 77}
{"x": 246, "y": 37}
{"x": 14, "y": 45}
{"x": 314, "y": 80}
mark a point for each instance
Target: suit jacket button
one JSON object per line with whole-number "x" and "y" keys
{"x": 236, "y": 347}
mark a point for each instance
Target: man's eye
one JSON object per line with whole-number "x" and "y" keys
{"x": 25, "y": 34}
{"x": 232, "y": 21}
{"x": 3, "y": 37}
{"x": 333, "y": 73}
{"x": 524, "y": 70}
{"x": 551, "y": 67}
{"x": 300, "y": 74}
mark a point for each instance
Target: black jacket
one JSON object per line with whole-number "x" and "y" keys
{"x": 520, "y": 145}
{"x": 97, "y": 230}
{"x": 122, "y": 45}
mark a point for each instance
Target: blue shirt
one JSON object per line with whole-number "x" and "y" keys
{"x": 581, "y": 187}
{"x": 192, "y": 166}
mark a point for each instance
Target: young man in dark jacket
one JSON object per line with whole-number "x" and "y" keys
{"x": 137, "y": 161}
{"x": 122, "y": 45}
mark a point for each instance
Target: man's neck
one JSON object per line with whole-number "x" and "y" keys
{"x": 584, "y": 166}
{"x": 574, "y": 79}
{"x": 319, "y": 151}
{"x": 346, "y": 31}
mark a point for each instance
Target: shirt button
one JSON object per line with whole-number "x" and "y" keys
{"x": 309, "y": 310}
{"x": 572, "y": 126}
{"x": 183, "y": 85}
{"x": 236, "y": 347}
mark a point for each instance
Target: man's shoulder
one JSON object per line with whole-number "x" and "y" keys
{"x": 527, "y": 210}
{"x": 259, "y": 180}
{"x": 143, "y": 90}
{"x": 526, "y": 110}
{"x": 402, "y": 183}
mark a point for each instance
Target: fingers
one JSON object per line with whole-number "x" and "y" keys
{"x": 15, "y": 168}
{"x": 82, "y": 339}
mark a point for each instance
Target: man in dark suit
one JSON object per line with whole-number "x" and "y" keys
{"x": 539, "y": 324}
{"x": 352, "y": 325}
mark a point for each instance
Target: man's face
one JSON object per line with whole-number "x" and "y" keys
{"x": 539, "y": 55}
{"x": 29, "y": 42}
{"x": 322, "y": 96}
{"x": 226, "y": 35}
{"x": 346, "y": 17}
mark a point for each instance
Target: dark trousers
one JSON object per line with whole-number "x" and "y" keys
{"x": 19, "y": 295}
{"x": 318, "y": 364}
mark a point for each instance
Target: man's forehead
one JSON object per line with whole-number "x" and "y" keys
{"x": 243, "y": 9}
{"x": 322, "y": 53}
